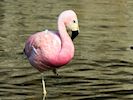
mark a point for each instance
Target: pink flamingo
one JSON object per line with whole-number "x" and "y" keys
{"x": 50, "y": 50}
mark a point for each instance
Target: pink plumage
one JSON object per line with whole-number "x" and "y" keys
{"x": 53, "y": 49}
{"x": 50, "y": 49}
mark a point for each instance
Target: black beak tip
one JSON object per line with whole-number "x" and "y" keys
{"x": 131, "y": 47}
{"x": 74, "y": 34}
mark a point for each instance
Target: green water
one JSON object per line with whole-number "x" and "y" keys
{"x": 102, "y": 68}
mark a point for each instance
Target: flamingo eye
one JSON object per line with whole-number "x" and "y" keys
{"x": 74, "y": 21}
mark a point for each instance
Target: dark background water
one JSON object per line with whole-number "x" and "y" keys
{"x": 102, "y": 68}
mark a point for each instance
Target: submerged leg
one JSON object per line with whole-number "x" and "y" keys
{"x": 55, "y": 72}
{"x": 44, "y": 88}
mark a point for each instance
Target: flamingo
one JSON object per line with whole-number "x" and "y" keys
{"x": 49, "y": 50}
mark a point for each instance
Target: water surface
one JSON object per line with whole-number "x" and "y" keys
{"x": 102, "y": 68}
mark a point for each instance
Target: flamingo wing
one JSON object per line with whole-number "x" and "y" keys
{"x": 41, "y": 48}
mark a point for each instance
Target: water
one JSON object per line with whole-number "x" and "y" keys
{"x": 102, "y": 68}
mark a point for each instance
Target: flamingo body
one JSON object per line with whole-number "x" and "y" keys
{"x": 49, "y": 49}
{"x": 43, "y": 50}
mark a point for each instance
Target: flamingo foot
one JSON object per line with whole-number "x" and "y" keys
{"x": 44, "y": 88}
{"x": 55, "y": 72}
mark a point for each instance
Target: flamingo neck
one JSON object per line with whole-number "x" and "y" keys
{"x": 67, "y": 47}
{"x": 63, "y": 33}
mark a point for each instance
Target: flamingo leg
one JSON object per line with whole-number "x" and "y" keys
{"x": 44, "y": 88}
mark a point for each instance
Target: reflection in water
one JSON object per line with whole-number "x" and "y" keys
{"x": 102, "y": 66}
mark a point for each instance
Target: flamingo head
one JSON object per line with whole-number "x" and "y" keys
{"x": 71, "y": 22}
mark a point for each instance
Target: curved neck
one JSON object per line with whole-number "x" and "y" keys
{"x": 65, "y": 38}
{"x": 67, "y": 47}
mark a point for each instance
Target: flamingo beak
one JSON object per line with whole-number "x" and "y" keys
{"x": 74, "y": 34}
